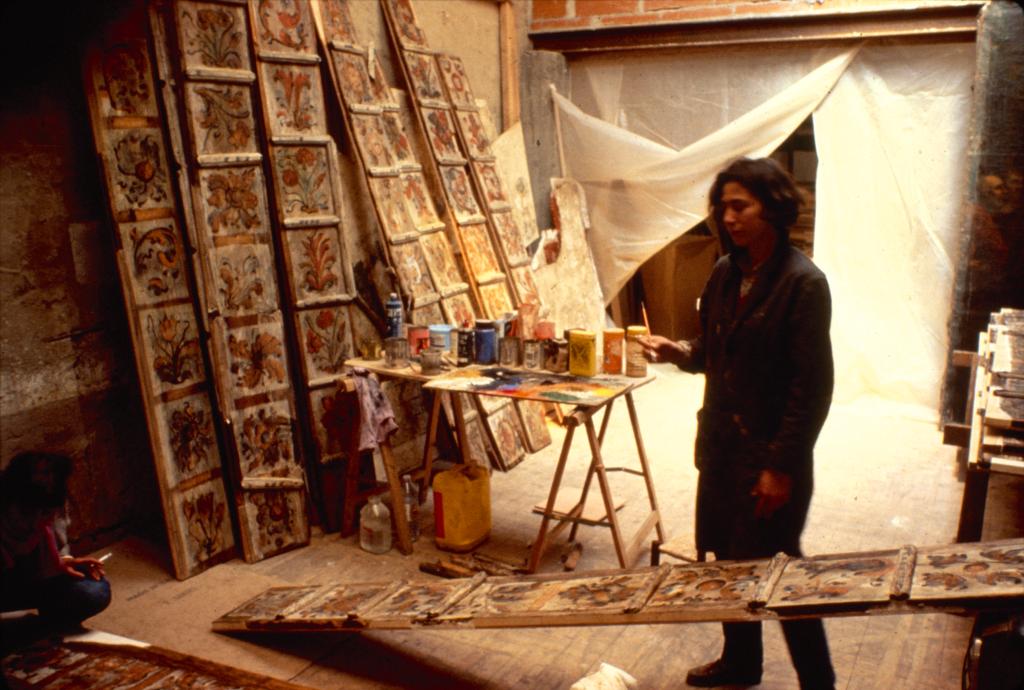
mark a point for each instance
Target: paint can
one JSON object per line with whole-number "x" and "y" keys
{"x": 556, "y": 355}
{"x": 430, "y": 361}
{"x": 613, "y": 340}
{"x": 441, "y": 336}
{"x": 486, "y": 342}
{"x": 466, "y": 346}
{"x": 508, "y": 351}
{"x": 582, "y": 353}
{"x": 532, "y": 354}
{"x": 419, "y": 339}
{"x": 636, "y": 363}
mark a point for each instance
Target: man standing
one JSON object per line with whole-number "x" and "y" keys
{"x": 767, "y": 358}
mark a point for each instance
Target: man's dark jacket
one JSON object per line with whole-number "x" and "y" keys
{"x": 769, "y": 378}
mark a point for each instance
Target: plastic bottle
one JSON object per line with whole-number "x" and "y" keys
{"x": 375, "y": 526}
{"x": 412, "y": 506}
{"x": 393, "y": 312}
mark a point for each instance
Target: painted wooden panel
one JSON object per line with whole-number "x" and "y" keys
{"x": 409, "y": 34}
{"x": 525, "y": 284}
{"x": 243, "y": 276}
{"x": 171, "y": 353}
{"x": 263, "y": 437}
{"x": 157, "y": 260}
{"x": 510, "y": 238}
{"x": 200, "y": 515}
{"x": 708, "y": 585}
{"x": 397, "y": 224}
{"x": 534, "y": 425}
{"x": 458, "y": 309}
{"x": 412, "y": 270}
{"x": 139, "y": 176}
{"x": 302, "y": 175}
{"x": 337, "y": 21}
{"x": 374, "y": 145}
{"x": 428, "y": 314}
{"x": 314, "y": 260}
{"x": 273, "y": 521}
{"x": 414, "y": 599}
{"x": 233, "y": 200}
{"x": 220, "y": 118}
{"x": 862, "y": 577}
{"x": 425, "y": 80}
{"x": 969, "y": 571}
{"x": 187, "y": 438}
{"x": 441, "y": 135}
{"x": 479, "y": 253}
{"x": 398, "y": 137}
{"x": 456, "y": 82}
{"x": 284, "y": 27}
{"x": 418, "y": 201}
{"x": 478, "y": 143}
{"x": 270, "y": 603}
{"x": 510, "y": 154}
{"x": 504, "y": 431}
{"x": 441, "y": 261}
{"x": 213, "y": 36}
{"x": 491, "y": 185}
{"x": 335, "y": 604}
{"x": 357, "y": 89}
{"x": 125, "y": 72}
{"x": 293, "y": 99}
{"x": 496, "y": 300}
{"x": 257, "y": 360}
{"x": 459, "y": 189}
{"x": 326, "y": 337}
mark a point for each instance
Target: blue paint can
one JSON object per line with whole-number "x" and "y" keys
{"x": 486, "y": 339}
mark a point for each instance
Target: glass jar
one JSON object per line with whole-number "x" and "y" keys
{"x": 375, "y": 526}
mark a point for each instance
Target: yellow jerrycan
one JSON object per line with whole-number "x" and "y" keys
{"x": 462, "y": 507}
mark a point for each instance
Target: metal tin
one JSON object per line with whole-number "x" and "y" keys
{"x": 556, "y": 355}
{"x": 441, "y": 336}
{"x": 419, "y": 339}
{"x": 582, "y": 353}
{"x": 486, "y": 340}
{"x": 466, "y": 347}
{"x": 636, "y": 363}
{"x": 613, "y": 342}
{"x": 430, "y": 361}
{"x": 508, "y": 352}
{"x": 533, "y": 354}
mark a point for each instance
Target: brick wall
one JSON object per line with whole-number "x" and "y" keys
{"x": 567, "y": 15}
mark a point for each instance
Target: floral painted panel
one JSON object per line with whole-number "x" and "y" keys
{"x": 139, "y": 176}
{"x": 156, "y": 260}
{"x": 460, "y": 194}
{"x": 283, "y": 26}
{"x": 862, "y": 577}
{"x": 413, "y": 273}
{"x": 491, "y": 185}
{"x": 526, "y": 286}
{"x": 969, "y": 571}
{"x": 478, "y": 143}
{"x": 441, "y": 261}
{"x": 243, "y": 275}
{"x": 213, "y": 36}
{"x": 315, "y": 263}
{"x": 479, "y": 254}
{"x": 294, "y": 99}
{"x": 426, "y": 82}
{"x": 398, "y": 138}
{"x": 187, "y": 438}
{"x": 326, "y": 335}
{"x": 406, "y": 27}
{"x": 418, "y": 201}
{"x": 441, "y": 134}
{"x": 708, "y": 585}
{"x": 303, "y": 178}
{"x": 233, "y": 200}
{"x": 505, "y": 434}
{"x": 337, "y": 20}
{"x": 201, "y": 517}
{"x": 535, "y": 426}
{"x": 459, "y": 309}
{"x": 427, "y": 314}
{"x": 496, "y": 299}
{"x": 337, "y": 602}
{"x": 257, "y": 359}
{"x": 510, "y": 237}
{"x": 269, "y": 604}
{"x": 263, "y": 438}
{"x": 413, "y": 600}
{"x": 387, "y": 195}
{"x": 379, "y": 83}
{"x": 221, "y": 118}
{"x": 455, "y": 80}
{"x": 275, "y": 520}
{"x": 607, "y": 593}
{"x": 354, "y": 81}
{"x": 127, "y": 81}
{"x": 172, "y": 355}
{"x": 378, "y": 157}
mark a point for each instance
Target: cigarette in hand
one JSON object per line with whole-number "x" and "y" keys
{"x": 104, "y": 557}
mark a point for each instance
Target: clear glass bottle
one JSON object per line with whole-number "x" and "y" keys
{"x": 412, "y": 506}
{"x": 375, "y": 526}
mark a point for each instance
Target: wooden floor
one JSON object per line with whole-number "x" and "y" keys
{"x": 883, "y": 480}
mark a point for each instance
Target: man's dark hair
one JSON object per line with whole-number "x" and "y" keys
{"x": 17, "y": 486}
{"x": 769, "y": 183}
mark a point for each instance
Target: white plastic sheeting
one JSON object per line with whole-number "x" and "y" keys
{"x": 891, "y": 140}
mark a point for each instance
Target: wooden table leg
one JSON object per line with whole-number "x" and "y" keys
{"x": 606, "y": 492}
{"x": 539, "y": 542}
{"x": 460, "y": 429}
{"x": 590, "y": 470}
{"x": 397, "y": 498}
{"x": 645, "y": 466}
{"x": 428, "y": 447}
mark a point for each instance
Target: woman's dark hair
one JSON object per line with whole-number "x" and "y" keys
{"x": 17, "y": 485}
{"x": 769, "y": 183}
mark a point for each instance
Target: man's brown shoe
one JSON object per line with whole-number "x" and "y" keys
{"x": 717, "y": 673}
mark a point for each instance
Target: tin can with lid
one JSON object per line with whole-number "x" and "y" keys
{"x": 636, "y": 363}
{"x": 582, "y": 353}
{"x": 613, "y": 342}
{"x": 486, "y": 340}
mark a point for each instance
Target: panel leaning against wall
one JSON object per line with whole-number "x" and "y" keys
{"x": 166, "y": 333}
{"x": 231, "y": 216}
{"x": 412, "y": 231}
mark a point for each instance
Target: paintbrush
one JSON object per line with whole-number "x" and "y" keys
{"x": 643, "y": 312}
